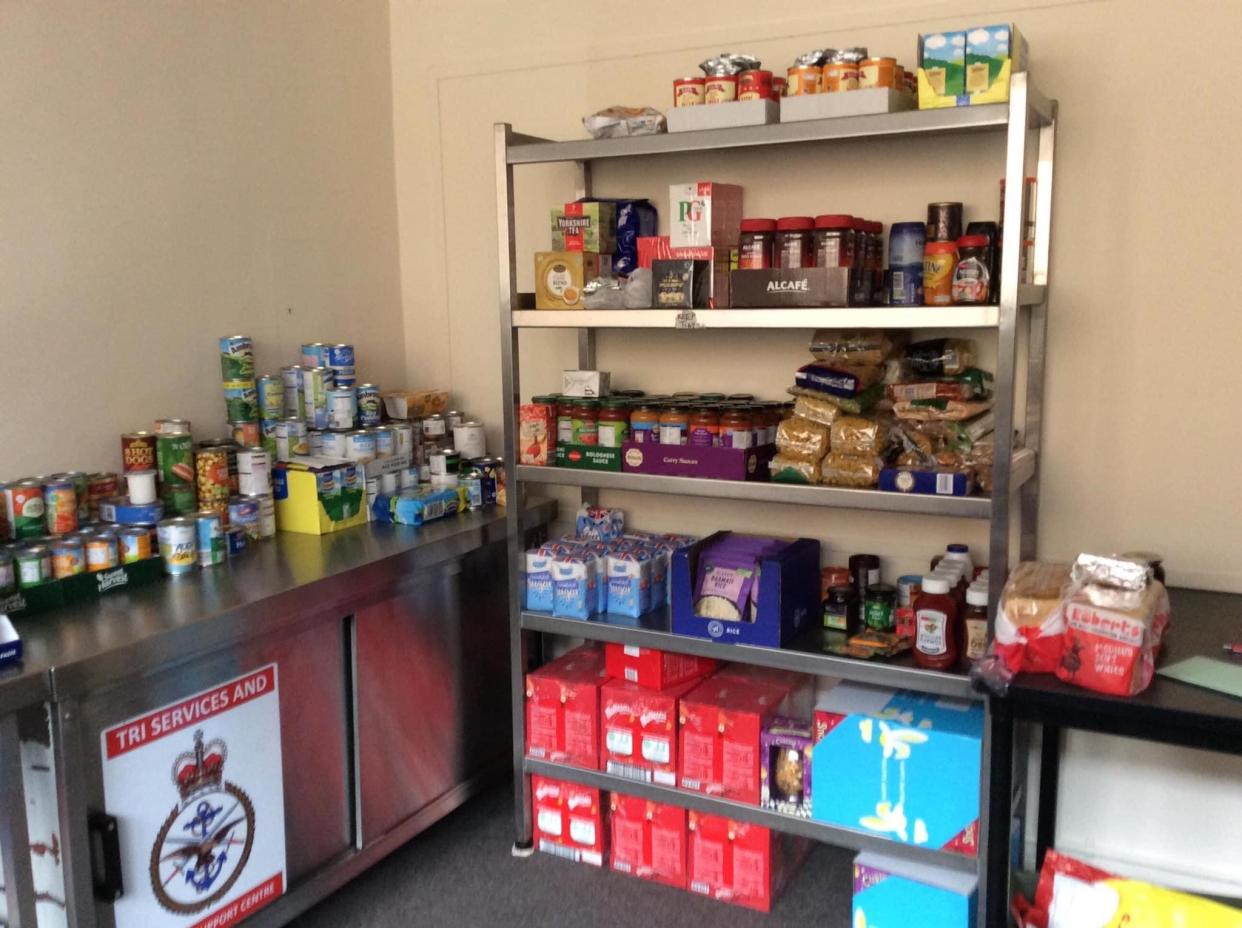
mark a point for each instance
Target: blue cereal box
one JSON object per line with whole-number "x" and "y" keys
{"x": 629, "y": 583}
{"x": 575, "y": 586}
{"x": 888, "y": 891}
{"x": 908, "y": 770}
{"x": 539, "y": 596}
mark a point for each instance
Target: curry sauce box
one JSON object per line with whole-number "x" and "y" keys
{"x": 647, "y": 839}
{"x": 639, "y": 731}
{"x": 568, "y": 820}
{"x": 562, "y": 708}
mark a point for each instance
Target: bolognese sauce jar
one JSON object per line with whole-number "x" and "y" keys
{"x": 757, "y": 245}
{"x": 795, "y": 243}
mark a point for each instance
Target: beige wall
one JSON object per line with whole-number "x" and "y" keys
{"x": 1143, "y": 331}
{"x": 173, "y": 172}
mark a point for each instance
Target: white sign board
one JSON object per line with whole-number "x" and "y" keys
{"x": 198, "y": 794}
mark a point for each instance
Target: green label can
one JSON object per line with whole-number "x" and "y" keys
{"x": 236, "y": 358}
{"x": 25, "y": 509}
{"x": 271, "y": 392}
{"x": 174, "y": 456}
{"x": 241, "y": 399}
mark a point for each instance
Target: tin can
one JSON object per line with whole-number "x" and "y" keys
{"x": 489, "y": 470}
{"x": 271, "y": 397}
{"x": 68, "y": 558}
{"x": 471, "y": 480}
{"x": 236, "y": 358}
{"x": 452, "y": 419}
{"x": 174, "y": 455}
{"x": 211, "y": 467}
{"x": 137, "y": 451}
{"x": 388, "y": 483}
{"x": 124, "y": 511}
{"x": 254, "y": 472}
{"x": 235, "y": 540}
{"x": 351, "y": 483}
{"x": 8, "y": 579}
{"x": 101, "y": 552}
{"x": 344, "y": 376}
{"x": 314, "y": 354}
{"x": 314, "y": 442}
{"x": 360, "y": 446}
{"x": 404, "y": 434}
{"x": 290, "y": 438}
{"x": 470, "y": 439}
{"x": 341, "y": 361}
{"x": 754, "y": 85}
{"x": 445, "y": 462}
{"x": 140, "y": 487}
{"x": 373, "y": 489}
{"x": 24, "y": 508}
{"x": 241, "y": 399}
{"x": 135, "y": 544}
{"x": 267, "y": 436}
{"x": 81, "y": 483}
{"x": 342, "y": 408}
{"x": 60, "y": 506}
{"x": 434, "y": 427}
{"x": 246, "y": 433}
{"x": 328, "y": 489}
{"x": 209, "y": 538}
{"x": 178, "y": 541}
{"x": 267, "y": 513}
{"x": 385, "y": 442}
{"x": 315, "y": 385}
{"x": 369, "y": 404}
{"x": 172, "y": 427}
{"x": 291, "y": 376}
{"x": 688, "y": 91}
{"x": 778, "y": 87}
{"x": 33, "y": 566}
{"x": 908, "y": 589}
{"x": 333, "y": 444}
{"x": 803, "y": 79}
{"x": 407, "y": 479}
{"x": 720, "y": 88}
{"x": 244, "y": 513}
{"x": 100, "y": 486}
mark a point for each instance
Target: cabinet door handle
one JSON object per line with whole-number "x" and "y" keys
{"x": 105, "y": 857}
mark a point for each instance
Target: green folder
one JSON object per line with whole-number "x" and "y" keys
{"x": 1222, "y": 676}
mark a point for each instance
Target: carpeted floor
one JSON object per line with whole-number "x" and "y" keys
{"x": 461, "y": 873}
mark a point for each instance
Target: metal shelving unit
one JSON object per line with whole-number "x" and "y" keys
{"x": 1015, "y": 479}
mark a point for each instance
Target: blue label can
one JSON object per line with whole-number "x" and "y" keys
{"x": 235, "y": 540}
{"x": 244, "y": 513}
{"x": 314, "y": 354}
{"x": 341, "y": 356}
{"x": 210, "y": 535}
{"x": 368, "y": 405}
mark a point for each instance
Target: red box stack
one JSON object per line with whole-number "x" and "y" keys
{"x": 562, "y": 708}
{"x": 568, "y": 820}
{"x": 640, "y": 730}
{"x": 648, "y": 839}
{"x": 654, "y": 669}
{"x": 737, "y": 862}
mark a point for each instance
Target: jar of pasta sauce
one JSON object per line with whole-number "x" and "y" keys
{"x": 736, "y": 428}
{"x": 834, "y": 241}
{"x": 674, "y": 425}
{"x": 614, "y": 421}
{"x": 705, "y": 427}
{"x": 757, "y": 246}
{"x": 795, "y": 241}
{"x": 585, "y": 422}
{"x": 645, "y": 424}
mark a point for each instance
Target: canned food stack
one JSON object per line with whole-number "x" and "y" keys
{"x": 241, "y": 392}
{"x": 832, "y": 70}
{"x": 728, "y": 77}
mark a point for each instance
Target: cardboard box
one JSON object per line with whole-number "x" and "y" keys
{"x": 639, "y": 730}
{"x": 704, "y": 213}
{"x": 723, "y": 115}
{"x": 740, "y": 863}
{"x": 942, "y": 69}
{"x": 653, "y": 669}
{"x": 843, "y": 700}
{"x": 568, "y": 820}
{"x": 888, "y": 889}
{"x": 865, "y": 102}
{"x": 536, "y": 434}
{"x": 927, "y": 482}
{"x": 585, "y": 226}
{"x": 696, "y": 461}
{"x": 908, "y": 771}
{"x": 588, "y": 457}
{"x": 586, "y": 384}
{"x": 10, "y": 644}
{"x": 562, "y": 708}
{"x": 647, "y": 839}
{"x": 797, "y": 288}
{"x": 993, "y": 55}
{"x": 785, "y": 777}
{"x": 318, "y": 495}
{"x": 414, "y": 404}
{"x": 56, "y": 594}
{"x": 652, "y": 248}
{"x": 561, "y": 275}
{"x": 681, "y": 283}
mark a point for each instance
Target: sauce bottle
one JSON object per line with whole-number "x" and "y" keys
{"x": 841, "y": 610}
{"x": 936, "y": 626}
{"x": 736, "y": 428}
{"x": 614, "y": 422}
{"x": 976, "y": 623}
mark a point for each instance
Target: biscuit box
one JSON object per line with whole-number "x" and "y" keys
{"x": 647, "y": 839}
{"x": 721, "y": 720}
{"x": 639, "y": 730}
{"x": 887, "y": 890}
{"x": 908, "y": 771}
{"x": 740, "y": 863}
{"x": 651, "y": 668}
{"x": 568, "y": 820}
{"x": 562, "y": 708}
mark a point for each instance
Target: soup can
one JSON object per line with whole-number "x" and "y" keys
{"x": 172, "y": 426}
{"x": 369, "y": 405}
{"x": 267, "y": 514}
{"x": 137, "y": 451}
{"x": 314, "y": 354}
{"x": 246, "y": 433}
{"x": 316, "y": 383}
{"x": 99, "y": 487}
{"x": 135, "y": 544}
{"x": 60, "y": 506}
{"x": 254, "y": 472}
{"x": 470, "y": 439}
{"x": 34, "y": 566}
{"x": 333, "y": 444}
{"x": 209, "y": 538}
{"x": 360, "y": 446}
{"x": 24, "y": 508}
{"x": 8, "y": 579}
{"x": 178, "y": 540}
{"x": 235, "y": 539}
{"x": 244, "y": 512}
{"x": 385, "y": 442}
{"x": 241, "y": 399}
{"x": 211, "y": 466}
{"x": 101, "y": 551}
{"x": 291, "y": 376}
{"x": 68, "y": 558}
{"x": 342, "y": 408}
{"x": 271, "y": 397}
{"x": 236, "y": 358}
{"x": 314, "y": 442}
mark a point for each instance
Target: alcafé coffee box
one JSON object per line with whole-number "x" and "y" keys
{"x": 798, "y": 288}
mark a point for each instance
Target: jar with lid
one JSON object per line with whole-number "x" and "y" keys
{"x": 971, "y": 274}
{"x": 841, "y": 612}
{"x": 795, "y": 243}
{"x": 740, "y": 398}
{"x": 564, "y": 420}
{"x": 939, "y": 260}
{"x": 937, "y": 631}
{"x": 880, "y": 607}
{"x": 585, "y": 422}
{"x": 614, "y": 421}
{"x": 711, "y": 398}
{"x": 685, "y": 397}
{"x": 645, "y": 424}
{"x": 736, "y": 428}
{"x": 674, "y": 425}
{"x": 834, "y": 241}
{"x": 975, "y": 623}
{"x": 956, "y": 552}
{"x": 705, "y": 427}
{"x": 757, "y": 245}
{"x": 860, "y": 279}
{"x": 864, "y": 571}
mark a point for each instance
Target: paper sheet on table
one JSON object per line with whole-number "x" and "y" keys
{"x": 1222, "y": 676}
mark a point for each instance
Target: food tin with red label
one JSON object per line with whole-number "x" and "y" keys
{"x": 778, "y": 86}
{"x": 688, "y": 91}
{"x": 754, "y": 85}
{"x": 720, "y": 88}
{"x": 98, "y": 487}
{"x": 137, "y": 451}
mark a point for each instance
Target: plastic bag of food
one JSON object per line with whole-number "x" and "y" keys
{"x": 638, "y": 289}
{"x": 604, "y": 293}
{"x": 973, "y": 384}
{"x": 789, "y": 469}
{"x": 802, "y": 438}
{"x": 817, "y": 409}
{"x": 927, "y": 410}
{"x": 837, "y": 380}
{"x": 842, "y": 469}
{"x": 858, "y": 405}
{"x": 616, "y": 122}
{"x": 856, "y": 435}
{"x": 940, "y": 357}
{"x": 1030, "y": 623}
{"x": 834, "y": 346}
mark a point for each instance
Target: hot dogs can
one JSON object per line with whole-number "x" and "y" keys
{"x": 68, "y": 558}
{"x": 137, "y": 451}
{"x": 246, "y": 434}
{"x": 342, "y": 408}
{"x": 236, "y": 358}
{"x": 314, "y": 442}
{"x": 369, "y": 405}
{"x": 101, "y": 552}
{"x": 60, "y": 506}
{"x": 23, "y": 504}
{"x": 99, "y": 487}
{"x": 178, "y": 540}
{"x": 209, "y": 538}
{"x": 174, "y": 455}
{"x": 172, "y": 427}
{"x": 34, "y": 566}
{"x": 267, "y": 513}
{"x": 385, "y": 442}
{"x": 235, "y": 538}
{"x": 211, "y": 467}
{"x": 291, "y": 376}
{"x": 254, "y": 472}
{"x": 470, "y": 439}
{"x": 315, "y": 386}
{"x": 360, "y": 446}
{"x": 244, "y": 513}
{"x": 135, "y": 544}
{"x": 314, "y": 354}
{"x": 271, "y": 397}
{"x": 241, "y": 399}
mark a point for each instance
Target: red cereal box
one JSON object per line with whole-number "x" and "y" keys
{"x": 654, "y": 669}
{"x": 562, "y": 708}
{"x": 647, "y": 839}
{"x": 639, "y": 730}
{"x": 568, "y": 820}
{"x": 736, "y": 862}
{"x": 721, "y": 720}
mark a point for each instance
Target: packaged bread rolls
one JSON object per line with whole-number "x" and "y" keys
{"x": 1030, "y": 623}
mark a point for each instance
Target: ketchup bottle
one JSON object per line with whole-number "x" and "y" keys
{"x": 937, "y": 632}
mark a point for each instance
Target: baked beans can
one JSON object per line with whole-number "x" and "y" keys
{"x": 8, "y": 579}
{"x": 172, "y": 426}
{"x": 178, "y": 541}
{"x": 720, "y": 88}
{"x": 137, "y": 451}
{"x": 689, "y": 91}
{"x": 314, "y": 354}
{"x": 246, "y": 433}
{"x": 333, "y": 444}
{"x": 241, "y": 400}
{"x": 271, "y": 390}
{"x": 754, "y": 85}
{"x": 254, "y": 472}
{"x": 803, "y": 79}
{"x": 100, "y": 486}
{"x": 314, "y": 442}
{"x": 33, "y": 566}
{"x": 385, "y": 442}
{"x": 174, "y": 456}
{"x": 236, "y": 358}
{"x": 267, "y": 513}
{"x": 878, "y": 72}
{"x": 101, "y": 551}
{"x": 23, "y": 502}
{"x": 211, "y": 467}
{"x": 316, "y": 383}
{"x": 60, "y": 506}
{"x": 342, "y": 408}
{"x": 235, "y": 538}
{"x": 68, "y": 558}
{"x": 291, "y": 376}
{"x": 369, "y": 405}
{"x": 135, "y": 544}
{"x": 244, "y": 513}
{"x": 470, "y": 439}
{"x": 360, "y": 446}
{"x": 209, "y": 539}
{"x": 267, "y": 437}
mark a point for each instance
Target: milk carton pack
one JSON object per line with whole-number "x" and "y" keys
{"x": 575, "y": 586}
{"x": 629, "y": 583}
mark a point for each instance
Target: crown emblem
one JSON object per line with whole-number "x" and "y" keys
{"x": 202, "y": 768}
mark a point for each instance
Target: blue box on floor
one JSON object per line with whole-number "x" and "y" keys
{"x": 888, "y": 891}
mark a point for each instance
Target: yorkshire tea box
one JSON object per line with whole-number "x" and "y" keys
{"x": 970, "y": 66}
{"x": 585, "y": 227}
{"x": 561, "y": 275}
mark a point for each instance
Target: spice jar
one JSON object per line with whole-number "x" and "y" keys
{"x": 841, "y": 613}
{"x": 688, "y": 91}
{"x": 936, "y": 626}
{"x": 585, "y": 422}
{"x": 939, "y": 260}
{"x": 614, "y": 422}
{"x": 976, "y": 623}
{"x": 971, "y": 275}
{"x": 645, "y": 424}
{"x": 736, "y": 428}
{"x": 879, "y": 607}
{"x": 795, "y": 241}
{"x": 674, "y": 425}
{"x": 705, "y": 427}
{"x": 834, "y": 241}
{"x": 757, "y": 245}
